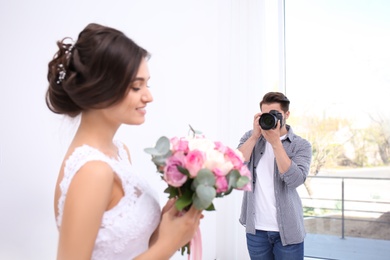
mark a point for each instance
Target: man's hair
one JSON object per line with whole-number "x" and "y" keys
{"x": 276, "y": 97}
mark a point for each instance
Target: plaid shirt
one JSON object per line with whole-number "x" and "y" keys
{"x": 289, "y": 211}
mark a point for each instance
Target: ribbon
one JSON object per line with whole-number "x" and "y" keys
{"x": 196, "y": 246}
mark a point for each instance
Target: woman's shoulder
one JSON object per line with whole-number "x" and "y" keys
{"x": 81, "y": 154}
{"x": 87, "y": 159}
{"x": 91, "y": 167}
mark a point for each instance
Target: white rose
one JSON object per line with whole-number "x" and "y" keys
{"x": 200, "y": 144}
{"x": 216, "y": 159}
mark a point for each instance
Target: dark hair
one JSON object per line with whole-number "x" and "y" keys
{"x": 276, "y": 97}
{"x": 94, "y": 72}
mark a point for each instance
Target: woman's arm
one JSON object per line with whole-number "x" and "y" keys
{"x": 87, "y": 198}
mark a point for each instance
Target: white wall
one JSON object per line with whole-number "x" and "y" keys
{"x": 208, "y": 70}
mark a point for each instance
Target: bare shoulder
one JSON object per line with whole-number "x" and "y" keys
{"x": 92, "y": 176}
{"x": 91, "y": 186}
{"x": 98, "y": 171}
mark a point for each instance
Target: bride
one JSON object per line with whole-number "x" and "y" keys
{"x": 103, "y": 209}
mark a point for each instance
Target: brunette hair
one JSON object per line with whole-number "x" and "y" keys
{"x": 276, "y": 97}
{"x": 94, "y": 72}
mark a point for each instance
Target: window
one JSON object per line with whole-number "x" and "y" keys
{"x": 338, "y": 77}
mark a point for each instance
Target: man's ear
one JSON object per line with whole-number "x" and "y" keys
{"x": 286, "y": 115}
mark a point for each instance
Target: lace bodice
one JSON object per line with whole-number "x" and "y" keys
{"x": 126, "y": 228}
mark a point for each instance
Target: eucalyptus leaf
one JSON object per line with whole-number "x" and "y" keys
{"x": 242, "y": 181}
{"x": 160, "y": 160}
{"x": 233, "y": 177}
{"x": 204, "y": 177}
{"x": 194, "y": 132}
{"x": 151, "y": 150}
{"x": 203, "y": 196}
{"x": 161, "y": 148}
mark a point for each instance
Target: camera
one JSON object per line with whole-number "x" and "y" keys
{"x": 270, "y": 120}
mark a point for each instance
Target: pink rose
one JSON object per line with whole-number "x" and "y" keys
{"x": 194, "y": 162}
{"x": 220, "y": 181}
{"x": 218, "y": 172}
{"x": 247, "y": 187}
{"x": 171, "y": 174}
{"x": 220, "y": 147}
{"x": 179, "y": 144}
{"x": 234, "y": 157}
{"x": 221, "y": 184}
{"x": 244, "y": 171}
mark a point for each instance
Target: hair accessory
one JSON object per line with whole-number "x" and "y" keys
{"x": 61, "y": 73}
{"x": 60, "y": 68}
{"x": 69, "y": 51}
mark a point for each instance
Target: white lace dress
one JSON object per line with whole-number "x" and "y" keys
{"x": 125, "y": 229}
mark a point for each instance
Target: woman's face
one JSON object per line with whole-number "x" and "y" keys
{"x": 132, "y": 109}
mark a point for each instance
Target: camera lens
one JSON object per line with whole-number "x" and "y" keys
{"x": 268, "y": 121}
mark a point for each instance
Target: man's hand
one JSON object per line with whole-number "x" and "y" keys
{"x": 256, "y": 133}
{"x": 272, "y": 135}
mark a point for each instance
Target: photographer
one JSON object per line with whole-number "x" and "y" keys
{"x": 279, "y": 161}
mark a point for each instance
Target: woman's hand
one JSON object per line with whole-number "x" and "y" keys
{"x": 166, "y": 208}
{"x": 179, "y": 227}
{"x": 175, "y": 230}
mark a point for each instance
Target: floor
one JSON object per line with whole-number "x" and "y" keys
{"x": 350, "y": 248}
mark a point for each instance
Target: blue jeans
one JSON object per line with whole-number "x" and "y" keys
{"x": 267, "y": 245}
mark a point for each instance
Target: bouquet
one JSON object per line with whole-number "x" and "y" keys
{"x": 197, "y": 170}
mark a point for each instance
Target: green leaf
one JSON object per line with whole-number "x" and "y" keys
{"x": 242, "y": 181}
{"x": 184, "y": 200}
{"x": 186, "y": 248}
{"x": 151, "y": 150}
{"x": 204, "y": 177}
{"x": 172, "y": 191}
{"x": 160, "y": 160}
{"x": 194, "y": 132}
{"x": 162, "y": 147}
{"x": 211, "y": 207}
{"x": 183, "y": 170}
{"x": 233, "y": 177}
{"x": 219, "y": 195}
{"x": 204, "y": 196}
